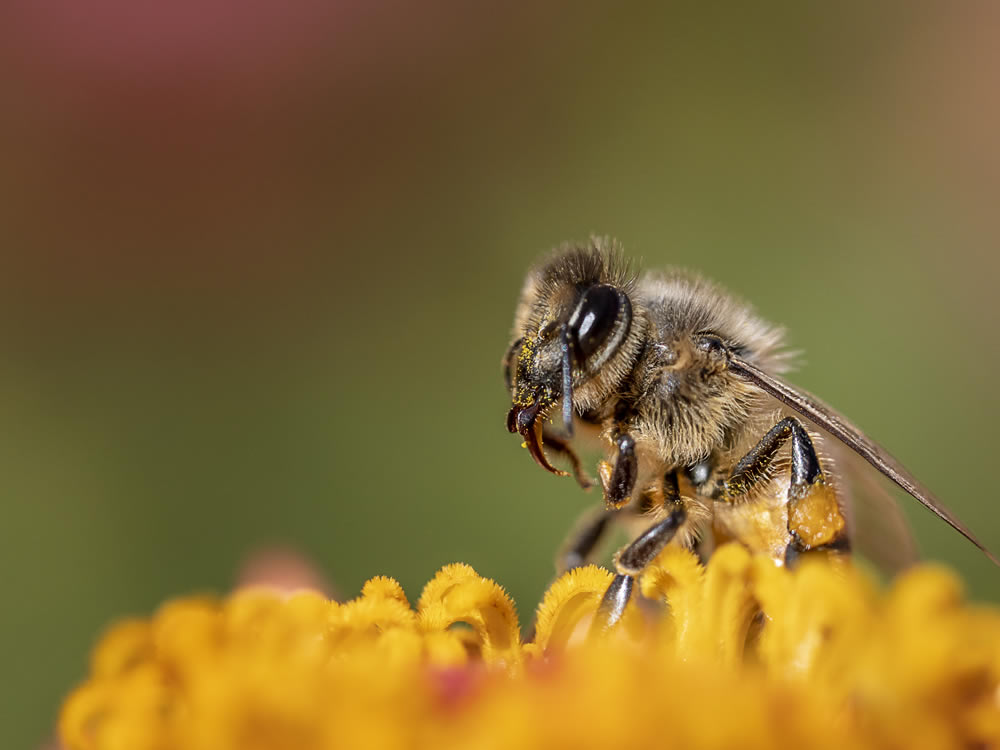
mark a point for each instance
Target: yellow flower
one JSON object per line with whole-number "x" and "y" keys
{"x": 740, "y": 654}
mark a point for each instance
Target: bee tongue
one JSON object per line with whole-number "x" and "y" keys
{"x": 524, "y": 419}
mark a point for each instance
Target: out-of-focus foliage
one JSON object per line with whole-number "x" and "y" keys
{"x": 259, "y": 271}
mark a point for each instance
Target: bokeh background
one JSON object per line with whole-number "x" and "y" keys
{"x": 259, "y": 264}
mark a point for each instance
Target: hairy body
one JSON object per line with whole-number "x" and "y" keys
{"x": 682, "y": 384}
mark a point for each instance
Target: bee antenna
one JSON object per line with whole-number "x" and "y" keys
{"x": 567, "y": 381}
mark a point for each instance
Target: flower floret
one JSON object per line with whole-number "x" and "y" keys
{"x": 735, "y": 653}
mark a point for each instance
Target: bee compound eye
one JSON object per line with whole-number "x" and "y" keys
{"x": 594, "y": 319}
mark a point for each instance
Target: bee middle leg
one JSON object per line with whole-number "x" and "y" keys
{"x": 632, "y": 560}
{"x": 815, "y": 520}
{"x": 587, "y": 533}
{"x": 619, "y": 481}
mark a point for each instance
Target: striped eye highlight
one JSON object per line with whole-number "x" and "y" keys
{"x": 594, "y": 319}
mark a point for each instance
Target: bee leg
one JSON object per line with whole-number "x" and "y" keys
{"x": 631, "y": 561}
{"x": 613, "y": 603}
{"x": 556, "y": 444}
{"x": 583, "y": 539}
{"x": 815, "y": 520}
{"x": 619, "y": 480}
{"x": 594, "y": 523}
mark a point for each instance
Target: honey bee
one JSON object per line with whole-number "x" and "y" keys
{"x": 706, "y": 442}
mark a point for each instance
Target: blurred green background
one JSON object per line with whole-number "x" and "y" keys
{"x": 260, "y": 265}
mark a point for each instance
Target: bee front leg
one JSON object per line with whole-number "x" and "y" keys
{"x": 815, "y": 520}
{"x": 631, "y": 561}
{"x": 557, "y": 444}
{"x": 619, "y": 480}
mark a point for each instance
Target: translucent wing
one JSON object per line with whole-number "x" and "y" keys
{"x": 839, "y": 427}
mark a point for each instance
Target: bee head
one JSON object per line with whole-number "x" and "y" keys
{"x": 576, "y": 337}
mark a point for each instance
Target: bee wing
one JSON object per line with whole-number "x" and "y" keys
{"x": 879, "y": 529}
{"x": 839, "y": 427}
